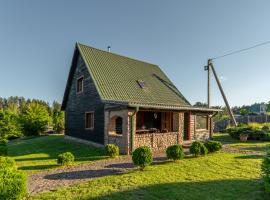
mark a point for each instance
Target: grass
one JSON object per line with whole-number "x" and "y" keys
{"x": 40, "y": 153}
{"x": 215, "y": 176}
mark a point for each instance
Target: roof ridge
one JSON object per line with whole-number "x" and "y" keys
{"x": 118, "y": 54}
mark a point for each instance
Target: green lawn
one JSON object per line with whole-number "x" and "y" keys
{"x": 220, "y": 175}
{"x": 216, "y": 176}
{"x": 40, "y": 153}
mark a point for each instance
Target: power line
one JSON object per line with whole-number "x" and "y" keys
{"x": 241, "y": 50}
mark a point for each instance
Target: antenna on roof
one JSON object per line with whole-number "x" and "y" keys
{"x": 109, "y": 48}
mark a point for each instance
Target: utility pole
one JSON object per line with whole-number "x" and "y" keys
{"x": 208, "y": 83}
{"x": 210, "y": 67}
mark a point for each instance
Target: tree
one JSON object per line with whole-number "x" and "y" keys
{"x": 35, "y": 119}
{"x": 268, "y": 106}
{"x": 200, "y": 104}
{"x": 244, "y": 111}
{"x": 9, "y": 125}
{"x": 58, "y": 118}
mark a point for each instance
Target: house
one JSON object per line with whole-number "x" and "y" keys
{"x": 115, "y": 99}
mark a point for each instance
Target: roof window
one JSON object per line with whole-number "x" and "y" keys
{"x": 141, "y": 83}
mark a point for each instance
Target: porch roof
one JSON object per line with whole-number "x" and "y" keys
{"x": 172, "y": 107}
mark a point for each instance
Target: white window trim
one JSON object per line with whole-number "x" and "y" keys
{"x": 89, "y": 112}
{"x": 80, "y": 92}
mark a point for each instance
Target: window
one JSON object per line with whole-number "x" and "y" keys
{"x": 89, "y": 120}
{"x": 118, "y": 125}
{"x": 201, "y": 122}
{"x": 79, "y": 88}
{"x": 141, "y": 84}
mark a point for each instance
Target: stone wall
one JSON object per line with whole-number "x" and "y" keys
{"x": 157, "y": 141}
{"x": 198, "y": 134}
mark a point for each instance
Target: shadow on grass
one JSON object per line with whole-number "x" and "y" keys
{"x": 250, "y": 156}
{"x": 223, "y": 189}
{"x": 33, "y": 159}
{"x": 38, "y": 167}
{"x": 83, "y": 174}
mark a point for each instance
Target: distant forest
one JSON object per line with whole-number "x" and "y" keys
{"x": 24, "y": 117}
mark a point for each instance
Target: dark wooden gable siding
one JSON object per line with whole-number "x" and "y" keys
{"x": 78, "y": 104}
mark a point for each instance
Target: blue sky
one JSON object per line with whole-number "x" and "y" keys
{"x": 37, "y": 39}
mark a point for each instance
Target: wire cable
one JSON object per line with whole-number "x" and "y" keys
{"x": 241, "y": 50}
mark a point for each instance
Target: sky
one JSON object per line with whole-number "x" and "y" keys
{"x": 37, "y": 40}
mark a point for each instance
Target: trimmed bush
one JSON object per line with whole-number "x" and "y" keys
{"x": 66, "y": 158}
{"x": 112, "y": 150}
{"x": 213, "y": 146}
{"x": 12, "y": 181}
{"x": 266, "y": 172}
{"x": 197, "y": 148}
{"x": 142, "y": 157}
{"x": 175, "y": 152}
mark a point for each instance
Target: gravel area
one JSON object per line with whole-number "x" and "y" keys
{"x": 232, "y": 149}
{"x": 66, "y": 176}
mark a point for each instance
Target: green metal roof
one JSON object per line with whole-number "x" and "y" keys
{"x": 116, "y": 78}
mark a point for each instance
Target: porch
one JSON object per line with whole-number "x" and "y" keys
{"x": 156, "y": 129}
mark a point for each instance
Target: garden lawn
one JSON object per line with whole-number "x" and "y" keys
{"x": 215, "y": 176}
{"x": 40, "y": 153}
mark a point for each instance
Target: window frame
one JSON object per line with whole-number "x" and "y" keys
{"x": 120, "y": 134}
{"x": 80, "y": 77}
{"x": 85, "y": 119}
{"x": 207, "y": 122}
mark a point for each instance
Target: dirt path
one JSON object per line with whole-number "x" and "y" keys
{"x": 66, "y": 176}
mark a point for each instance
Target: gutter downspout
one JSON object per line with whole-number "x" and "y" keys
{"x": 133, "y": 128}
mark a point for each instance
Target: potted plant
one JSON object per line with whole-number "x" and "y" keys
{"x": 243, "y": 137}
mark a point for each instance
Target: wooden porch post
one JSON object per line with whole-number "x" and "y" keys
{"x": 188, "y": 128}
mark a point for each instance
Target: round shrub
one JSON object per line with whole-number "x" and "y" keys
{"x": 12, "y": 181}
{"x": 112, "y": 150}
{"x": 66, "y": 158}
{"x": 197, "y": 148}
{"x": 213, "y": 146}
{"x": 175, "y": 152}
{"x": 142, "y": 157}
{"x": 204, "y": 150}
